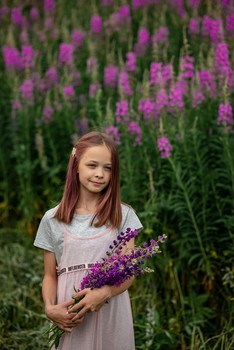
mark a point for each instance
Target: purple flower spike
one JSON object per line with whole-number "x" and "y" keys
{"x": 164, "y": 147}
{"x": 96, "y": 24}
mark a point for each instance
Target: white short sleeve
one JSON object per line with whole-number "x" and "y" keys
{"x": 129, "y": 219}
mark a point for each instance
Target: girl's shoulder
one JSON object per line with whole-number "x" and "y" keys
{"x": 127, "y": 211}
{"x": 50, "y": 213}
{"x": 129, "y": 218}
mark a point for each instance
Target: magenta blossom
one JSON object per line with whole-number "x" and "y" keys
{"x": 194, "y": 25}
{"x": 16, "y": 17}
{"x": 161, "y": 100}
{"x": 51, "y": 77}
{"x": 207, "y": 82}
{"x": 164, "y": 147}
{"x": 187, "y": 67}
{"x": 49, "y": 6}
{"x": 135, "y": 132}
{"x": 27, "y": 56}
{"x": 114, "y": 133}
{"x": 65, "y": 53}
{"x": 142, "y": 41}
{"x": 124, "y": 14}
{"x": 148, "y": 108}
{"x": 176, "y": 97}
{"x": 93, "y": 88}
{"x": 78, "y": 37}
{"x": 91, "y": 64}
{"x": 225, "y": 116}
{"x": 230, "y": 24}
{"x": 34, "y": 14}
{"x": 111, "y": 76}
{"x": 122, "y": 115}
{"x": 198, "y": 98}
{"x": 96, "y": 24}
{"x": 68, "y": 91}
{"x": 155, "y": 73}
{"x": 12, "y": 58}
{"x": 124, "y": 84}
{"x": 161, "y": 35}
{"x": 27, "y": 90}
{"x": 47, "y": 114}
{"x": 131, "y": 62}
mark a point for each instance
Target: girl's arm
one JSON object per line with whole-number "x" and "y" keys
{"x": 93, "y": 300}
{"x": 55, "y": 312}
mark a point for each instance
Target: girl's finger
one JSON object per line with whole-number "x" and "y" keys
{"x": 80, "y": 294}
{"x": 81, "y": 313}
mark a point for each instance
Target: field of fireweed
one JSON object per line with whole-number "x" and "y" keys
{"x": 157, "y": 76}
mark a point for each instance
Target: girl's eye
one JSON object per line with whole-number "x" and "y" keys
{"x": 91, "y": 165}
{"x": 108, "y": 168}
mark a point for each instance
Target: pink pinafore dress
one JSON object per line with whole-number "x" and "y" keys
{"x": 111, "y": 328}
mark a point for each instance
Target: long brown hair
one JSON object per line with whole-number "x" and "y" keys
{"x": 109, "y": 208}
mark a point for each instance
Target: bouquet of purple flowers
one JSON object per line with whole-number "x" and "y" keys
{"x": 118, "y": 266}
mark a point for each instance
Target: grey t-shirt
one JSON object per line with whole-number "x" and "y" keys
{"x": 50, "y": 233}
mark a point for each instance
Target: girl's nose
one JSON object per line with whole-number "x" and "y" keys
{"x": 99, "y": 172}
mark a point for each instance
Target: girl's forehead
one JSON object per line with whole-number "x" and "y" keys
{"x": 97, "y": 153}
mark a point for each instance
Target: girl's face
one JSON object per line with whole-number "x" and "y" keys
{"x": 94, "y": 169}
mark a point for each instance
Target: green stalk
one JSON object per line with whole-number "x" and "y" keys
{"x": 189, "y": 205}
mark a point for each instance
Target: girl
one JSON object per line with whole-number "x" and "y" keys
{"x": 77, "y": 233}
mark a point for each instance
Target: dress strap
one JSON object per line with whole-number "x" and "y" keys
{"x": 85, "y": 266}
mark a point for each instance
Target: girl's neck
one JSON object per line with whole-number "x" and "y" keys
{"x": 86, "y": 206}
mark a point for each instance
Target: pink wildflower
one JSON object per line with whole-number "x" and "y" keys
{"x": 96, "y": 24}
{"x": 142, "y": 41}
{"x": 194, "y": 25}
{"x": 176, "y": 97}
{"x": 51, "y": 77}
{"x": 114, "y": 133}
{"x": 194, "y": 4}
{"x": 78, "y": 37}
{"x": 187, "y": 67}
{"x": 230, "y": 24}
{"x": 16, "y": 17}
{"x": 68, "y": 91}
{"x": 225, "y": 116}
{"x": 198, "y": 98}
{"x": 47, "y": 114}
{"x": 34, "y": 14}
{"x": 111, "y": 76}
{"x": 124, "y": 83}
{"x": 27, "y": 56}
{"x": 131, "y": 62}
{"x": 91, "y": 64}
{"x": 49, "y": 6}
{"x": 161, "y": 35}
{"x": 124, "y": 13}
{"x": 122, "y": 111}
{"x": 27, "y": 90}
{"x": 155, "y": 73}
{"x": 207, "y": 82}
{"x": 147, "y": 107}
{"x": 135, "y": 131}
{"x": 161, "y": 100}
{"x": 12, "y": 58}
{"x": 164, "y": 147}
{"x": 65, "y": 53}
{"x": 93, "y": 88}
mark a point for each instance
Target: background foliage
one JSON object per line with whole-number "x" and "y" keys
{"x": 157, "y": 76}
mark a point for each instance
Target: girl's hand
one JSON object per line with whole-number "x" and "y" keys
{"x": 60, "y": 316}
{"x": 92, "y": 300}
